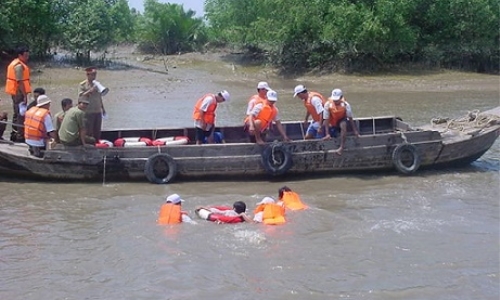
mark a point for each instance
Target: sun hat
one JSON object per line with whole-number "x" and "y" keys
{"x": 174, "y": 198}
{"x": 225, "y": 95}
{"x": 299, "y": 89}
{"x": 266, "y": 200}
{"x": 272, "y": 96}
{"x": 42, "y": 100}
{"x": 263, "y": 85}
{"x": 336, "y": 94}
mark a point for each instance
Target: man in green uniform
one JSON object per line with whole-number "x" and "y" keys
{"x": 72, "y": 131}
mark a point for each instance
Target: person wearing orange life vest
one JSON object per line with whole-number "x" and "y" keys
{"x": 171, "y": 212}
{"x": 18, "y": 86}
{"x": 204, "y": 115}
{"x": 269, "y": 212}
{"x": 38, "y": 126}
{"x": 260, "y": 97}
{"x": 314, "y": 103}
{"x": 290, "y": 199}
{"x": 337, "y": 112}
{"x": 261, "y": 117}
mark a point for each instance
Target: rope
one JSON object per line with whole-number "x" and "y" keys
{"x": 473, "y": 120}
{"x": 274, "y": 146}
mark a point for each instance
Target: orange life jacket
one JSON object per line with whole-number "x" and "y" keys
{"x": 34, "y": 125}
{"x": 266, "y": 115}
{"x": 170, "y": 214}
{"x": 273, "y": 214}
{"x": 337, "y": 112}
{"x": 209, "y": 115}
{"x": 11, "y": 85}
{"x": 292, "y": 201}
{"x": 311, "y": 109}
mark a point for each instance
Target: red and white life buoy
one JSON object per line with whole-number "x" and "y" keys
{"x": 206, "y": 214}
{"x": 133, "y": 142}
{"x": 174, "y": 140}
{"x": 104, "y": 144}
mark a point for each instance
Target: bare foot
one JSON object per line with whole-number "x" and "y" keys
{"x": 338, "y": 151}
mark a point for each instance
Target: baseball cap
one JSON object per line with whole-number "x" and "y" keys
{"x": 272, "y": 95}
{"x": 336, "y": 94}
{"x": 83, "y": 100}
{"x": 299, "y": 89}
{"x": 42, "y": 100}
{"x": 174, "y": 198}
{"x": 266, "y": 200}
{"x": 225, "y": 95}
{"x": 263, "y": 85}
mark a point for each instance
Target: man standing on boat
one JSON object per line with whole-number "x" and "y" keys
{"x": 73, "y": 131}
{"x": 89, "y": 90}
{"x": 204, "y": 115}
{"x": 313, "y": 102}
{"x": 337, "y": 112}
{"x": 38, "y": 126}
{"x": 18, "y": 86}
{"x": 262, "y": 115}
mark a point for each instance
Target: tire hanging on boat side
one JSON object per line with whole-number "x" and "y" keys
{"x": 276, "y": 159}
{"x": 406, "y": 159}
{"x": 160, "y": 168}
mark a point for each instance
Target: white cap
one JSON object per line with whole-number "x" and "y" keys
{"x": 336, "y": 94}
{"x": 299, "y": 89}
{"x": 266, "y": 200}
{"x": 42, "y": 100}
{"x": 263, "y": 85}
{"x": 225, "y": 95}
{"x": 174, "y": 198}
{"x": 272, "y": 95}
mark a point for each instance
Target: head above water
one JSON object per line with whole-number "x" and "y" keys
{"x": 282, "y": 190}
{"x": 239, "y": 207}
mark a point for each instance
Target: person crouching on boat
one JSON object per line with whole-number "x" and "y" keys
{"x": 261, "y": 117}
{"x": 337, "y": 112}
{"x": 38, "y": 128}
{"x": 314, "y": 103}
{"x": 204, "y": 115}
{"x": 72, "y": 131}
{"x": 171, "y": 212}
{"x": 269, "y": 212}
{"x": 239, "y": 209}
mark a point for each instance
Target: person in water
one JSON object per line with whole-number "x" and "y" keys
{"x": 171, "y": 212}
{"x": 269, "y": 212}
{"x": 290, "y": 199}
{"x": 239, "y": 209}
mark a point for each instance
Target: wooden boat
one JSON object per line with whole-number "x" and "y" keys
{"x": 386, "y": 143}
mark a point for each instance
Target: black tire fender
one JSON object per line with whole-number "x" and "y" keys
{"x": 406, "y": 159}
{"x": 276, "y": 159}
{"x": 160, "y": 168}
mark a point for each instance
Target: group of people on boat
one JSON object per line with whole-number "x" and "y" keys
{"x": 330, "y": 116}
{"x": 32, "y": 122}
{"x": 268, "y": 211}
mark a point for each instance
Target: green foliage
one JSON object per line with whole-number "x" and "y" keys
{"x": 166, "y": 28}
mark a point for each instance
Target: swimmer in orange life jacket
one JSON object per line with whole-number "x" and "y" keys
{"x": 239, "y": 208}
{"x": 269, "y": 212}
{"x": 290, "y": 199}
{"x": 171, "y": 213}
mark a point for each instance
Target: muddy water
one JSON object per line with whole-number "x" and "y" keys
{"x": 430, "y": 236}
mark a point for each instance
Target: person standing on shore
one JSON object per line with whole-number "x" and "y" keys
{"x": 18, "y": 86}
{"x": 204, "y": 115}
{"x": 95, "y": 110}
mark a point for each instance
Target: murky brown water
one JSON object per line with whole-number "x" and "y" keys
{"x": 430, "y": 236}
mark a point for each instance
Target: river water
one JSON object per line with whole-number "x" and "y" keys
{"x": 434, "y": 235}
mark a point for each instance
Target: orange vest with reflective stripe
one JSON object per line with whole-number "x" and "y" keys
{"x": 170, "y": 214}
{"x": 11, "y": 85}
{"x": 337, "y": 113}
{"x": 292, "y": 201}
{"x": 273, "y": 214}
{"x": 209, "y": 115}
{"x": 311, "y": 109}
{"x": 34, "y": 126}
{"x": 266, "y": 115}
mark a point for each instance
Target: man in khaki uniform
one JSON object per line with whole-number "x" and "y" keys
{"x": 89, "y": 91}
{"x": 73, "y": 131}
